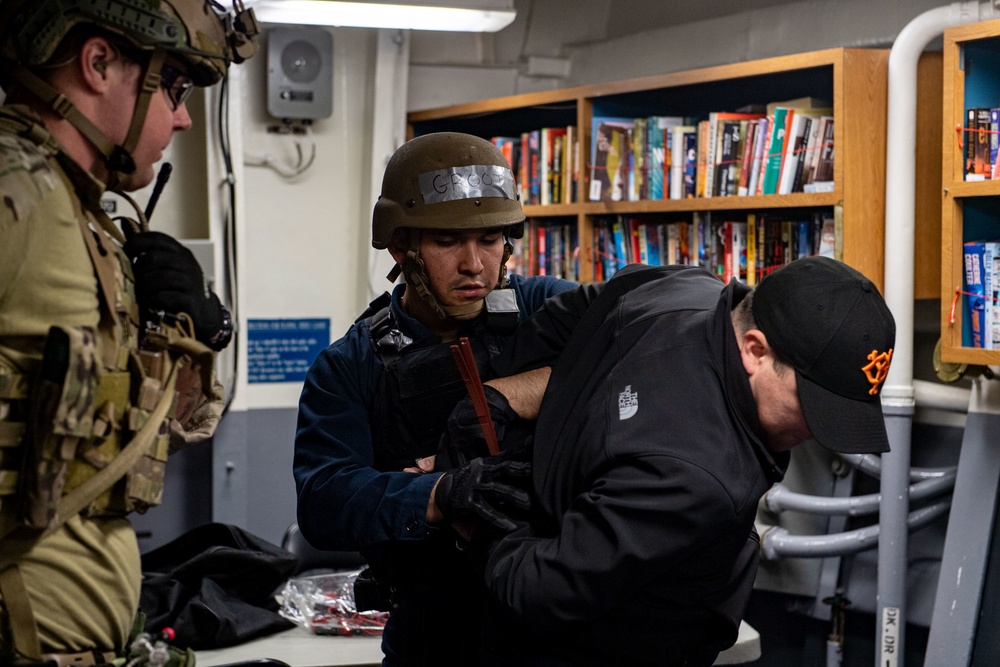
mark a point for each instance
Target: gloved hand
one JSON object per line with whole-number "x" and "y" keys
{"x": 168, "y": 278}
{"x": 483, "y": 489}
{"x": 463, "y": 439}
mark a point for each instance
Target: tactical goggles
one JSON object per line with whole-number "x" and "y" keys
{"x": 178, "y": 85}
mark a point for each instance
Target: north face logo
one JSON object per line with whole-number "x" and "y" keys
{"x": 628, "y": 403}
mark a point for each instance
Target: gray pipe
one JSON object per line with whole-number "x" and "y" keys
{"x": 871, "y": 465}
{"x": 777, "y": 543}
{"x": 780, "y": 498}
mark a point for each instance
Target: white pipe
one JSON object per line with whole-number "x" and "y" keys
{"x": 834, "y": 652}
{"x": 897, "y": 394}
{"x": 900, "y": 190}
{"x": 940, "y": 396}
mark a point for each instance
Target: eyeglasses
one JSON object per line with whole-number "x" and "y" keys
{"x": 177, "y": 84}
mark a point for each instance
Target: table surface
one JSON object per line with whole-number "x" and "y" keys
{"x": 300, "y": 648}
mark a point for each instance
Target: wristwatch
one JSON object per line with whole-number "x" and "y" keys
{"x": 222, "y": 337}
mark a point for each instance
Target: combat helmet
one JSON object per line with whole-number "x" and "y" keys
{"x": 201, "y": 34}
{"x": 446, "y": 180}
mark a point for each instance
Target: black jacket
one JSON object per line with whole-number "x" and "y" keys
{"x": 648, "y": 470}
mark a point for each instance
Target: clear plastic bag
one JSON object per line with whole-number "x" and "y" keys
{"x": 324, "y": 605}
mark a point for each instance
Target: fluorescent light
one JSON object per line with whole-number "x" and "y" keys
{"x": 377, "y": 15}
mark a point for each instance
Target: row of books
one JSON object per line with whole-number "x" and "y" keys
{"x": 981, "y": 143}
{"x": 788, "y": 147}
{"x": 544, "y": 163}
{"x": 547, "y": 249}
{"x": 746, "y": 249}
{"x": 981, "y": 326}
{"x": 633, "y": 159}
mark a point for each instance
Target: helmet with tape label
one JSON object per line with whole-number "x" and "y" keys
{"x": 192, "y": 31}
{"x": 446, "y": 180}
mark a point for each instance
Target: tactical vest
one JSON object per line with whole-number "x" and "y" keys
{"x": 86, "y": 430}
{"x": 418, "y": 388}
{"x": 94, "y": 390}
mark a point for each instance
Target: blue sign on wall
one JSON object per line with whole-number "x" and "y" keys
{"x": 283, "y": 350}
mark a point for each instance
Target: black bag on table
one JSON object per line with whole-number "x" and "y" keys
{"x": 215, "y": 587}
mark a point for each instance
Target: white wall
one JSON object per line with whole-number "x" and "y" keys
{"x": 302, "y": 251}
{"x": 304, "y": 237}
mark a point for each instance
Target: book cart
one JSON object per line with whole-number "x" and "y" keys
{"x": 853, "y": 81}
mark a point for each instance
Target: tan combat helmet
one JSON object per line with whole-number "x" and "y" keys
{"x": 198, "y": 33}
{"x": 445, "y": 180}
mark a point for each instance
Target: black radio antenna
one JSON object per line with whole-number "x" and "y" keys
{"x": 161, "y": 180}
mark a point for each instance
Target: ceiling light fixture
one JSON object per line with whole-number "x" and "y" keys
{"x": 378, "y": 15}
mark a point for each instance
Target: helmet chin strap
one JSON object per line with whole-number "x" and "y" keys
{"x": 508, "y": 250}
{"x": 150, "y": 86}
{"x": 118, "y": 159}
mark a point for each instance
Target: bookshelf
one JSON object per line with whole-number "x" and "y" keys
{"x": 970, "y": 209}
{"x": 852, "y": 81}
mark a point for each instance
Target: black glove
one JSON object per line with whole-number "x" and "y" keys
{"x": 463, "y": 439}
{"x": 477, "y": 491}
{"x": 169, "y": 279}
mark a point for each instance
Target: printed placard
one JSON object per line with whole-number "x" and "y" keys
{"x": 282, "y": 350}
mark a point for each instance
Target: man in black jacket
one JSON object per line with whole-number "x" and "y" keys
{"x": 671, "y": 408}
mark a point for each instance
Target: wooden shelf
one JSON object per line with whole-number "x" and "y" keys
{"x": 854, "y": 81}
{"x": 968, "y": 189}
{"x": 970, "y": 209}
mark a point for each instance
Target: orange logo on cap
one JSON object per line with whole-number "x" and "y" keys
{"x": 876, "y": 369}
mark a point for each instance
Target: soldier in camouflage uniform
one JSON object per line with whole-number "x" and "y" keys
{"x": 107, "y": 338}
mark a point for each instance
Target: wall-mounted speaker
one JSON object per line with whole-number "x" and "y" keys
{"x": 299, "y": 73}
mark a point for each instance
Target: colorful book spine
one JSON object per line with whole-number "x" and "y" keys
{"x": 543, "y": 260}
{"x": 974, "y": 322}
{"x": 994, "y": 143}
{"x": 983, "y": 143}
{"x": 535, "y": 167}
{"x": 656, "y": 147}
{"x": 993, "y": 294}
{"x": 621, "y": 251}
{"x": 775, "y": 151}
{"x": 678, "y": 159}
{"x": 759, "y": 141}
{"x": 690, "y": 162}
{"x": 970, "y": 145}
{"x": 746, "y": 159}
{"x": 703, "y": 158}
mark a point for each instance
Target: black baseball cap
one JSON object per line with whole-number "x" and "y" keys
{"x": 832, "y": 325}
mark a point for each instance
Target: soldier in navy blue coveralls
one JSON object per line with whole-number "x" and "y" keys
{"x": 377, "y": 400}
